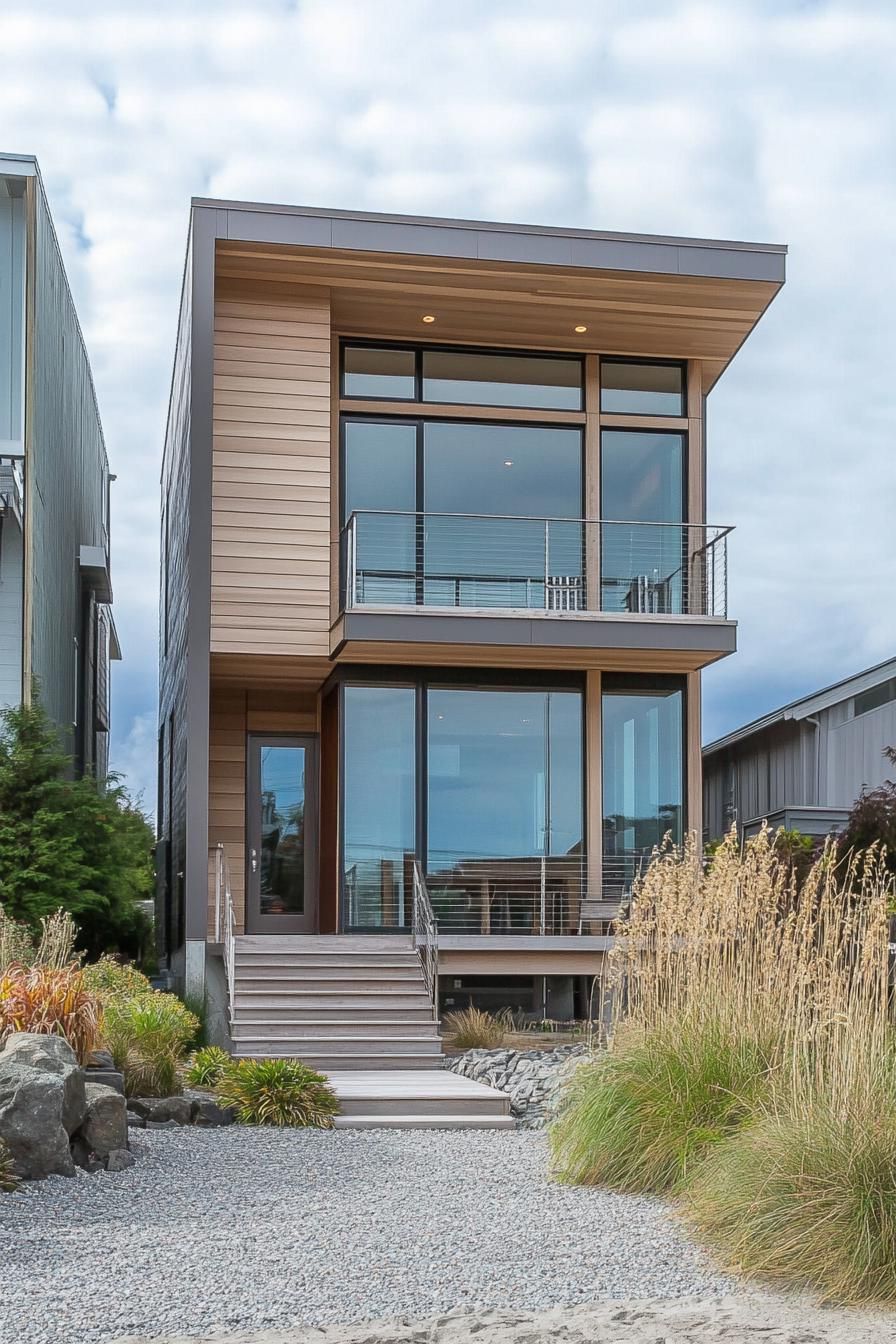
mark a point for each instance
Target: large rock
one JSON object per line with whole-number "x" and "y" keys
{"x": 31, "y": 1109}
{"x": 160, "y": 1109}
{"x": 105, "y": 1127}
{"x": 53, "y": 1054}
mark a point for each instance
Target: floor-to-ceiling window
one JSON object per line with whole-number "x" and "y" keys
{"x": 642, "y": 733}
{"x": 499, "y": 796}
{"x": 643, "y": 550}
{"x": 462, "y": 512}
{"x": 379, "y": 804}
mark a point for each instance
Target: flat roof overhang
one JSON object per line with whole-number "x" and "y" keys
{"x": 507, "y": 284}
{"x": 464, "y": 638}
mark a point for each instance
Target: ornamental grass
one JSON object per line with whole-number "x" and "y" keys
{"x": 278, "y": 1092}
{"x": 750, "y": 1068}
{"x": 473, "y": 1029}
{"x": 50, "y": 1000}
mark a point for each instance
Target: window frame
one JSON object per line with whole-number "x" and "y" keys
{"x": 421, "y": 681}
{"x": 420, "y": 348}
{"x": 680, "y": 364}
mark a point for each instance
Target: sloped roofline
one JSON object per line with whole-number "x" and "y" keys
{"x": 809, "y": 705}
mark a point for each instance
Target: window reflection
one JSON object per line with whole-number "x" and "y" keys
{"x": 480, "y": 379}
{"x": 379, "y": 804}
{"x": 282, "y": 853}
{"x": 642, "y": 484}
{"x": 641, "y": 389}
{"x": 643, "y": 772}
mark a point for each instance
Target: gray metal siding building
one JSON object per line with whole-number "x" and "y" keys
{"x": 804, "y": 765}
{"x": 56, "y": 629}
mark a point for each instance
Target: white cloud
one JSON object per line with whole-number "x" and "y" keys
{"x": 764, "y": 119}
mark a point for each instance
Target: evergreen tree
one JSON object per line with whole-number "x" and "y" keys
{"x": 75, "y": 844}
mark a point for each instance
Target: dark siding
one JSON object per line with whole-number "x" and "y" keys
{"x": 66, "y": 479}
{"x": 173, "y": 646}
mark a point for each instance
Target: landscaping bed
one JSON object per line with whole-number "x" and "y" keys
{"x": 533, "y": 1079}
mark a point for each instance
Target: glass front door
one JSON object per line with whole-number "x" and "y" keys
{"x": 281, "y": 835}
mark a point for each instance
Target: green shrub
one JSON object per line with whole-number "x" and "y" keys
{"x": 638, "y": 1119}
{"x": 807, "y": 1199}
{"x": 148, "y": 1036}
{"x": 206, "y": 1066}
{"x": 111, "y": 978}
{"x": 473, "y": 1029}
{"x": 9, "y": 1180}
{"x": 278, "y": 1092}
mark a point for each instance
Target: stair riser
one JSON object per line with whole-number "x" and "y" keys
{"x": 336, "y": 1045}
{"x": 424, "y": 1106}
{"x": 346, "y": 984}
{"x": 321, "y": 1004}
{"x": 340, "y": 1063}
{"x": 255, "y": 1027}
{"x": 286, "y": 1010}
{"x": 422, "y": 1122}
{"x": 324, "y": 942}
{"x": 333, "y": 960}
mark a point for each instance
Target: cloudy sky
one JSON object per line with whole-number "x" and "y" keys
{"x": 766, "y": 120}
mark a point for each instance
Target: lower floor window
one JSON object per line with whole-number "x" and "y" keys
{"x": 485, "y": 787}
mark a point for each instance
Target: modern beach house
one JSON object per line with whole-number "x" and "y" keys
{"x": 437, "y": 589}
{"x": 57, "y": 635}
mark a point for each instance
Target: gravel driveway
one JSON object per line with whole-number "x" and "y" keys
{"x": 246, "y": 1228}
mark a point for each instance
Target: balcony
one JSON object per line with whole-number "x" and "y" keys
{"x": 549, "y": 567}
{"x": 534, "y": 896}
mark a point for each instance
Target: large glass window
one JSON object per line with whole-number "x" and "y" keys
{"x": 486, "y": 490}
{"x": 641, "y": 389}
{"x": 381, "y": 485}
{"x": 643, "y": 544}
{"x": 500, "y": 791}
{"x": 479, "y": 379}
{"x": 643, "y": 771}
{"x": 498, "y": 510}
{"x": 379, "y": 808}
{"x": 504, "y": 807}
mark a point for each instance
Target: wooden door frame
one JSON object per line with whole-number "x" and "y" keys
{"x": 256, "y": 923}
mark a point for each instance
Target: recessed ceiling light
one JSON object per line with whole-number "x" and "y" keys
{"x": 429, "y": 318}
{"x": 508, "y": 462}
{"x": 579, "y": 329}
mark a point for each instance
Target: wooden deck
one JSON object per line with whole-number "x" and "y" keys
{"x": 417, "y": 1099}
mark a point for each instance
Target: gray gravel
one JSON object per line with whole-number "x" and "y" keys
{"x": 250, "y": 1228}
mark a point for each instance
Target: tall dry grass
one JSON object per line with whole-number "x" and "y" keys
{"x": 751, "y": 1063}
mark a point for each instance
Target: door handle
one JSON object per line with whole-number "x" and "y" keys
{"x": 253, "y": 859}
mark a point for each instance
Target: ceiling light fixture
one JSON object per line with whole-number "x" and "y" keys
{"x": 508, "y": 462}
{"x": 580, "y": 329}
{"x": 429, "y": 318}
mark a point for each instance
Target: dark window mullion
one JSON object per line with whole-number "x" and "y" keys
{"x": 419, "y": 520}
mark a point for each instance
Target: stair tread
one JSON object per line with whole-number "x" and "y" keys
{"x": 475, "y": 1120}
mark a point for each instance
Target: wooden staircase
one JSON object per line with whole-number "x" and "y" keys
{"x": 339, "y": 1003}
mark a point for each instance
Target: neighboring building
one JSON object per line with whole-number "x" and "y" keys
{"x": 437, "y": 588}
{"x": 56, "y": 628}
{"x": 804, "y": 765}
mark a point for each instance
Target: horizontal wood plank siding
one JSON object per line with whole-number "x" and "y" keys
{"x": 271, "y": 473}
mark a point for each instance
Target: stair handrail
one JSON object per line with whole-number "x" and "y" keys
{"x": 225, "y": 920}
{"x": 425, "y": 933}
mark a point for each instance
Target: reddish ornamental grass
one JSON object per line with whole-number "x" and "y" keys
{"x": 51, "y": 1001}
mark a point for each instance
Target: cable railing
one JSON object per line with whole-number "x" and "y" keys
{"x": 537, "y": 895}
{"x": 225, "y": 919}
{"x": 551, "y": 565}
{"x": 425, "y": 933}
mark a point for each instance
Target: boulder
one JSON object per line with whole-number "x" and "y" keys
{"x": 210, "y": 1114}
{"x": 31, "y": 1110}
{"x": 160, "y": 1109}
{"x": 100, "y": 1059}
{"x": 135, "y": 1121}
{"x": 119, "y": 1160}
{"x": 54, "y": 1055}
{"x": 105, "y": 1127}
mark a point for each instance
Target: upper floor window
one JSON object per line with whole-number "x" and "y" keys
{"x": 463, "y": 377}
{"x": 878, "y": 695}
{"x": 634, "y": 387}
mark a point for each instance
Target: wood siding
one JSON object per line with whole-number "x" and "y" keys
{"x": 271, "y": 471}
{"x": 234, "y": 713}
